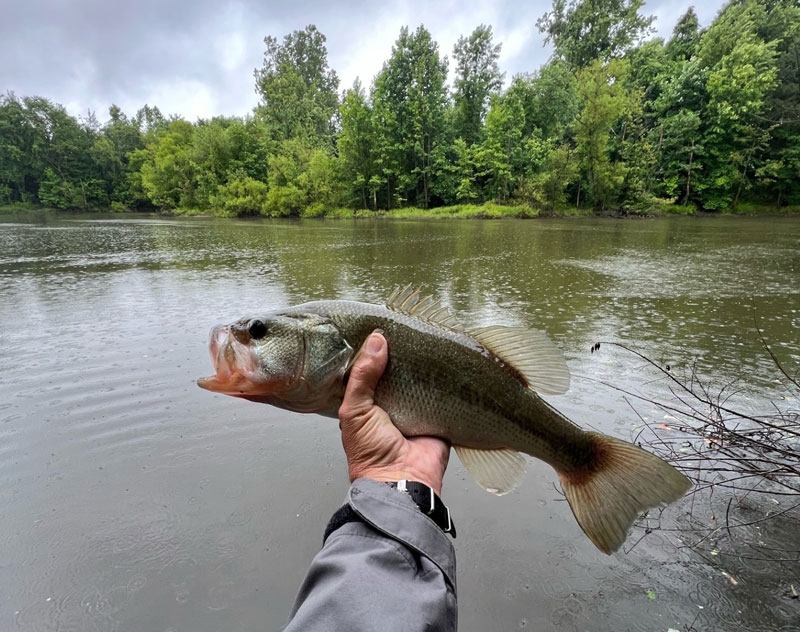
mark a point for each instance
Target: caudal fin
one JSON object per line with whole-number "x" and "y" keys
{"x": 621, "y": 483}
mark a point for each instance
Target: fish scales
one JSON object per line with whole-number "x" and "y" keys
{"x": 480, "y": 389}
{"x": 443, "y": 383}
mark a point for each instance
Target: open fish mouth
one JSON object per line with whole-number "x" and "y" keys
{"x": 235, "y": 363}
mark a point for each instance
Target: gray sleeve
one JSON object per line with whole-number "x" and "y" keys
{"x": 396, "y": 571}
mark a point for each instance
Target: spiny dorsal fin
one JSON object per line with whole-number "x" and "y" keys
{"x": 409, "y": 301}
{"x": 497, "y": 471}
{"x": 540, "y": 363}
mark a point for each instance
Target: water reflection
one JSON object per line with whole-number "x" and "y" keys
{"x": 132, "y": 500}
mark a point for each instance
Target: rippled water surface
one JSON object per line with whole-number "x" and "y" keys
{"x": 132, "y": 500}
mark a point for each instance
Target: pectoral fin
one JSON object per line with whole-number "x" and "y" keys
{"x": 497, "y": 471}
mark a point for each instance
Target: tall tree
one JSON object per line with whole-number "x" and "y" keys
{"x": 119, "y": 138}
{"x": 680, "y": 152}
{"x": 477, "y": 77}
{"x": 298, "y": 90}
{"x": 549, "y": 98}
{"x": 19, "y": 168}
{"x": 168, "y": 173}
{"x": 409, "y": 97}
{"x": 737, "y": 134}
{"x": 355, "y": 143}
{"x": 586, "y": 30}
{"x": 742, "y": 72}
{"x": 685, "y": 37}
{"x": 500, "y": 154}
{"x": 605, "y": 102}
{"x": 150, "y": 120}
{"x": 779, "y": 178}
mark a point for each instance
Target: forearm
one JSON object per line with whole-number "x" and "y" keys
{"x": 394, "y": 569}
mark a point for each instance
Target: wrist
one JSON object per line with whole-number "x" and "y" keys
{"x": 391, "y": 475}
{"x": 428, "y": 502}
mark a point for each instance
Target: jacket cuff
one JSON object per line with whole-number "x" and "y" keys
{"x": 394, "y": 514}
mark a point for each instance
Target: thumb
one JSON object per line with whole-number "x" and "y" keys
{"x": 367, "y": 369}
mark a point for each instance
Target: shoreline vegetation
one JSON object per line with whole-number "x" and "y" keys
{"x": 658, "y": 208}
{"x": 616, "y": 123}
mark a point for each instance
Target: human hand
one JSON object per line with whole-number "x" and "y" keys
{"x": 374, "y": 446}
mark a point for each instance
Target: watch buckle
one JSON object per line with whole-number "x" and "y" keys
{"x": 433, "y": 502}
{"x": 449, "y": 522}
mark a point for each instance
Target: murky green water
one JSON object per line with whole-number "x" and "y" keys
{"x": 132, "y": 500}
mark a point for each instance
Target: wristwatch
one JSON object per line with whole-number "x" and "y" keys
{"x": 429, "y": 503}
{"x": 424, "y": 497}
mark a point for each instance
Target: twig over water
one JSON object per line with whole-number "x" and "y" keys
{"x": 743, "y": 464}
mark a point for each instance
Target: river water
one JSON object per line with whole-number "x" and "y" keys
{"x": 132, "y": 500}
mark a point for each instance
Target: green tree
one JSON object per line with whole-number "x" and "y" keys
{"x": 167, "y": 170}
{"x": 677, "y": 132}
{"x": 500, "y": 154}
{"x": 586, "y": 30}
{"x": 409, "y": 97}
{"x": 737, "y": 89}
{"x": 356, "y": 145}
{"x": 465, "y": 172}
{"x": 650, "y": 69}
{"x": 742, "y": 72}
{"x": 685, "y": 37}
{"x": 241, "y": 195}
{"x": 302, "y": 180}
{"x": 680, "y": 151}
{"x": 212, "y": 154}
{"x": 297, "y": 88}
{"x": 605, "y": 102}
{"x": 549, "y": 97}
{"x": 320, "y": 184}
{"x": 477, "y": 77}
{"x": 779, "y": 178}
{"x": 63, "y": 174}
{"x": 20, "y": 169}
{"x": 120, "y": 137}
{"x": 150, "y": 121}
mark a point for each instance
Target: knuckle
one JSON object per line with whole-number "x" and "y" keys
{"x": 346, "y": 413}
{"x": 363, "y": 371}
{"x": 351, "y": 411}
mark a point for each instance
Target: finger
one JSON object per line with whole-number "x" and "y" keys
{"x": 367, "y": 369}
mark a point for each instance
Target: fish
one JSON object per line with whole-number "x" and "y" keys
{"x": 479, "y": 388}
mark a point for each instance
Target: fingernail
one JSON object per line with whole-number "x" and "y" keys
{"x": 375, "y": 343}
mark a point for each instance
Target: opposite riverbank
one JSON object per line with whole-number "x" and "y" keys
{"x": 654, "y": 208}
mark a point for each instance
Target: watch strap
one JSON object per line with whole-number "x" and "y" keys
{"x": 429, "y": 503}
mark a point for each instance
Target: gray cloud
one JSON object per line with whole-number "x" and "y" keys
{"x": 196, "y": 58}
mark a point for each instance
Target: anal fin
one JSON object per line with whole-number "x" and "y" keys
{"x": 496, "y": 471}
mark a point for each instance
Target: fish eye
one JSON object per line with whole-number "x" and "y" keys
{"x": 257, "y": 329}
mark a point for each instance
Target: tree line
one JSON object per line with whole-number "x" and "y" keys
{"x": 709, "y": 119}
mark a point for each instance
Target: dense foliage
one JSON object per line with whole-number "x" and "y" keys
{"x": 613, "y": 121}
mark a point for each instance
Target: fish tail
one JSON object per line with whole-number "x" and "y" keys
{"x": 618, "y": 484}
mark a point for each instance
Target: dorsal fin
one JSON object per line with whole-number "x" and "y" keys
{"x": 539, "y": 362}
{"x": 409, "y": 301}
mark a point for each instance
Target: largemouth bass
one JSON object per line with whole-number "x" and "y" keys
{"x": 480, "y": 389}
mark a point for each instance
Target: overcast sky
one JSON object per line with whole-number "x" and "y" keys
{"x": 196, "y": 57}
